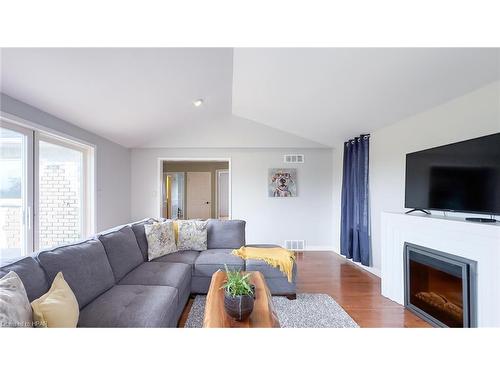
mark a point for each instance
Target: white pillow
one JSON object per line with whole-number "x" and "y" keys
{"x": 15, "y": 308}
{"x": 161, "y": 239}
{"x": 192, "y": 235}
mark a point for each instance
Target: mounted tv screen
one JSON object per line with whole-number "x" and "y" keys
{"x": 463, "y": 176}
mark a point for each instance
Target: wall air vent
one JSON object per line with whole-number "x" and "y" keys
{"x": 295, "y": 244}
{"x": 294, "y": 158}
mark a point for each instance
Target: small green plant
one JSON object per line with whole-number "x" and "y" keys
{"x": 237, "y": 283}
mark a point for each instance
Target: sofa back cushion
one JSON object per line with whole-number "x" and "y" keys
{"x": 85, "y": 268}
{"x": 225, "y": 234}
{"x": 140, "y": 235}
{"x": 122, "y": 250}
{"x": 31, "y": 274}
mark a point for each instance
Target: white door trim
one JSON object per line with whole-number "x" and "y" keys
{"x": 159, "y": 174}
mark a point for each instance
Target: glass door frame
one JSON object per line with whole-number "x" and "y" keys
{"x": 36, "y": 131}
{"x": 27, "y": 185}
{"x": 87, "y": 211}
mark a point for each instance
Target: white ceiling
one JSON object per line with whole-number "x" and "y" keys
{"x": 331, "y": 94}
{"x": 265, "y": 98}
{"x": 127, "y": 95}
{"x": 230, "y": 131}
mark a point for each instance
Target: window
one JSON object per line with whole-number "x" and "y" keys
{"x": 46, "y": 185}
{"x": 16, "y": 145}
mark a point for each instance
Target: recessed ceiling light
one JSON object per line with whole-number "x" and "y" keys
{"x": 198, "y": 102}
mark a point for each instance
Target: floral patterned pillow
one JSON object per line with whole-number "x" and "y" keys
{"x": 192, "y": 235}
{"x": 161, "y": 239}
{"x": 15, "y": 309}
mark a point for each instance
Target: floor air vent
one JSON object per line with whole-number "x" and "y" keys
{"x": 295, "y": 244}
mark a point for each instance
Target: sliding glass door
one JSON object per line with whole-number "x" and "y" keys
{"x": 16, "y": 191}
{"x": 46, "y": 190}
{"x": 60, "y": 193}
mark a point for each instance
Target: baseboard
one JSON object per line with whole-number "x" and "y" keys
{"x": 372, "y": 270}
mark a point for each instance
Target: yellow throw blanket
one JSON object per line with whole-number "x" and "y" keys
{"x": 276, "y": 257}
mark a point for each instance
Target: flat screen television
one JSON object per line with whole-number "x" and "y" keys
{"x": 462, "y": 177}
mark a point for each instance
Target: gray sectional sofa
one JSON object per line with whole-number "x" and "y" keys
{"x": 116, "y": 286}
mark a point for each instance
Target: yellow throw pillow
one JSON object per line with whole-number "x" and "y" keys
{"x": 58, "y": 307}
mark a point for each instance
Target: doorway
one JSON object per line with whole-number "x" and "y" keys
{"x": 195, "y": 189}
{"x": 173, "y": 196}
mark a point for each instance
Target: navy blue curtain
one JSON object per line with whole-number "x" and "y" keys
{"x": 355, "y": 224}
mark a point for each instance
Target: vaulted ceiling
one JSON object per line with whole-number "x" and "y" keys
{"x": 332, "y": 94}
{"x": 252, "y": 97}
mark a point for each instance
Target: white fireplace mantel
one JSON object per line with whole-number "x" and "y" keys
{"x": 472, "y": 240}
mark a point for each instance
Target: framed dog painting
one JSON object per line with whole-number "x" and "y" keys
{"x": 282, "y": 182}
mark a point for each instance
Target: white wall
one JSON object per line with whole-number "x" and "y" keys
{"x": 472, "y": 115}
{"x": 273, "y": 220}
{"x": 112, "y": 162}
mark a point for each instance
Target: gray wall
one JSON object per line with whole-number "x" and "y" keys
{"x": 269, "y": 220}
{"x": 112, "y": 162}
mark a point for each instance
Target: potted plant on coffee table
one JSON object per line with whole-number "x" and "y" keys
{"x": 239, "y": 294}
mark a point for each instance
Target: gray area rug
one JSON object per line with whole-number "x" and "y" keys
{"x": 307, "y": 311}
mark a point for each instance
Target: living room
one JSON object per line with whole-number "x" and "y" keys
{"x": 236, "y": 185}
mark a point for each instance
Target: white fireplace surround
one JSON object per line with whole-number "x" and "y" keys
{"x": 475, "y": 241}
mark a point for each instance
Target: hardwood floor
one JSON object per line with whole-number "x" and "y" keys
{"x": 355, "y": 289}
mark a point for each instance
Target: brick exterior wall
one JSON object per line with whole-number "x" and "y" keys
{"x": 59, "y": 210}
{"x": 10, "y": 224}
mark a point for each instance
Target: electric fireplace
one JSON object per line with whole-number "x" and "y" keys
{"x": 440, "y": 287}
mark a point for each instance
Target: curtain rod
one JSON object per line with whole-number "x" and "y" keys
{"x": 365, "y": 136}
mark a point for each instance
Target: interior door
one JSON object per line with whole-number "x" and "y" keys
{"x": 16, "y": 191}
{"x": 199, "y": 195}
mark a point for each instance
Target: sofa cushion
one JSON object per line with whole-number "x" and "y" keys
{"x": 140, "y": 235}
{"x": 85, "y": 268}
{"x": 200, "y": 284}
{"x": 176, "y": 275}
{"x": 131, "y": 306}
{"x": 32, "y": 275}
{"x": 212, "y": 260}
{"x": 122, "y": 250}
{"x": 263, "y": 245}
{"x": 226, "y": 234}
{"x": 268, "y": 271}
{"x": 185, "y": 256}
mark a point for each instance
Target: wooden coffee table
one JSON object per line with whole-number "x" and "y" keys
{"x": 263, "y": 314}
